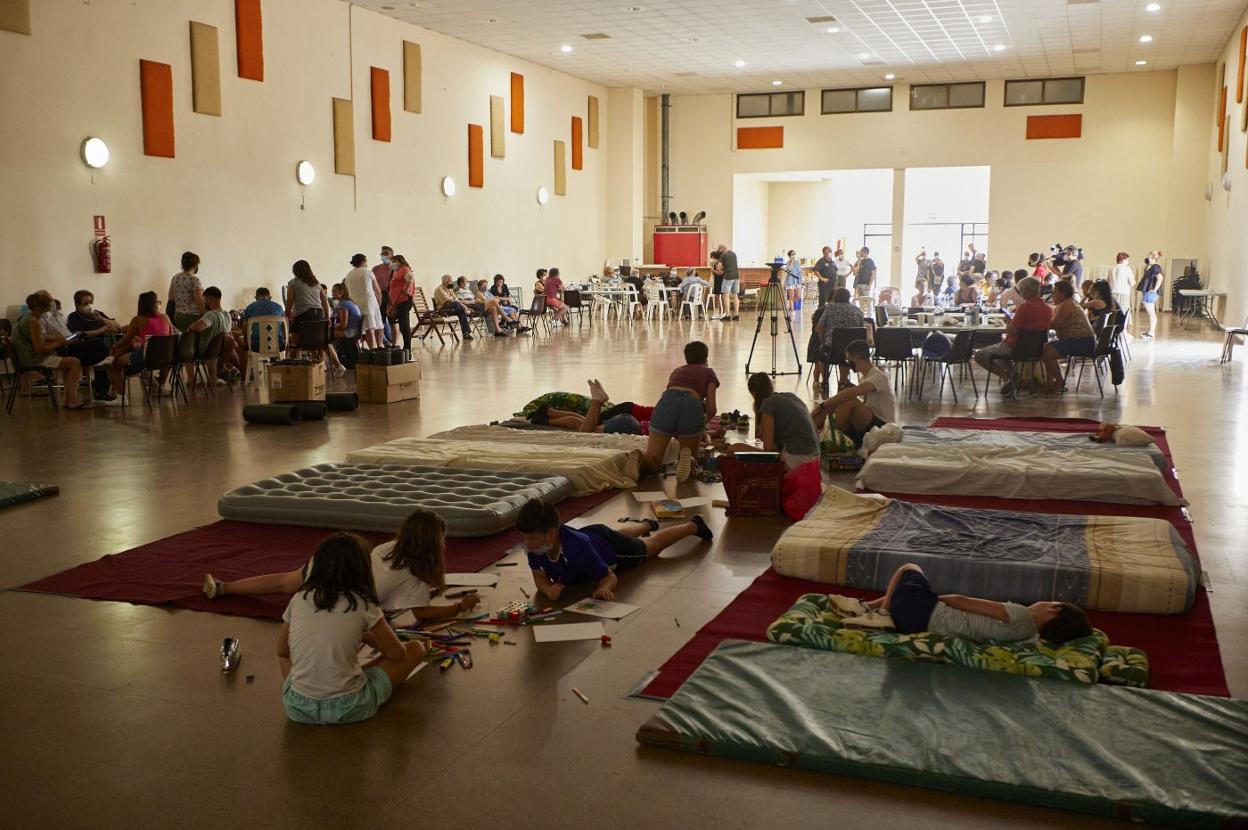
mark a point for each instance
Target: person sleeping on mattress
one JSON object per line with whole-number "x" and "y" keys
{"x": 915, "y": 607}
{"x": 626, "y": 418}
{"x": 560, "y": 555}
{"x": 404, "y": 571}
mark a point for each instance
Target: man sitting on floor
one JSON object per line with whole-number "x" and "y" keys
{"x": 915, "y": 607}
{"x": 860, "y": 409}
{"x": 560, "y": 556}
{"x": 1033, "y": 315}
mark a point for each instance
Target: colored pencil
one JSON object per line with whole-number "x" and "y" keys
{"x": 581, "y": 695}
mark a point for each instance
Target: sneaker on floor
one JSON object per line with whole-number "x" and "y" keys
{"x": 219, "y": 382}
{"x": 703, "y": 531}
{"x": 684, "y": 465}
{"x": 213, "y": 587}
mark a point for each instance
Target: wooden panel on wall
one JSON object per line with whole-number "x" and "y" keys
{"x": 1055, "y": 126}
{"x": 15, "y": 16}
{"x": 760, "y": 138}
{"x": 379, "y": 91}
{"x": 411, "y": 77}
{"x": 344, "y": 137}
{"x": 498, "y": 128}
{"x": 1243, "y": 56}
{"x": 592, "y": 116}
{"x": 1221, "y": 119}
{"x": 249, "y": 32}
{"x": 561, "y": 169}
{"x": 156, "y": 88}
{"x": 578, "y": 140}
{"x": 517, "y": 102}
{"x": 205, "y": 69}
{"x": 476, "y": 156}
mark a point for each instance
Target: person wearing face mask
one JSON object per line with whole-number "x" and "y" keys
{"x": 793, "y": 279}
{"x": 560, "y": 556}
{"x": 383, "y": 272}
{"x": 35, "y": 348}
{"x": 1150, "y": 290}
{"x": 97, "y": 333}
{"x": 446, "y": 303}
{"x": 843, "y": 269}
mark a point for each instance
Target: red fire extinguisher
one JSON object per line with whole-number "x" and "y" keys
{"x": 102, "y": 250}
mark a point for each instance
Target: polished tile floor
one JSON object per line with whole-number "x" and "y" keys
{"x": 116, "y": 716}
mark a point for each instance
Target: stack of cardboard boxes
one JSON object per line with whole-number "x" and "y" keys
{"x": 388, "y": 384}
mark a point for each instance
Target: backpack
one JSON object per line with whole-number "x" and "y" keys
{"x": 936, "y": 345}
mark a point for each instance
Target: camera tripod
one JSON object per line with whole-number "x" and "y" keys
{"x": 771, "y": 303}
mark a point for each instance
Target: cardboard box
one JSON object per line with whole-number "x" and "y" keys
{"x": 297, "y": 383}
{"x": 388, "y": 384}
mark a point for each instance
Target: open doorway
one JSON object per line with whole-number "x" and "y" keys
{"x": 946, "y": 213}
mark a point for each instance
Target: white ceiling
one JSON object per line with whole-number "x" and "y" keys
{"x": 655, "y": 43}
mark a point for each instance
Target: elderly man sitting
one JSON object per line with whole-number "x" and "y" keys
{"x": 840, "y": 313}
{"x": 1034, "y": 314}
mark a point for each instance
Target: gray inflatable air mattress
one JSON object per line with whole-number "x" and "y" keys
{"x": 380, "y": 497}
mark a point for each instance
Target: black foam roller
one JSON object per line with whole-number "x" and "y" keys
{"x": 277, "y": 414}
{"x": 342, "y": 401}
{"x": 312, "y": 410}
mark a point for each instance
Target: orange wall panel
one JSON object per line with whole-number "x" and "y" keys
{"x": 1222, "y": 119}
{"x": 476, "y": 155}
{"x": 156, "y": 88}
{"x": 379, "y": 80}
{"x": 249, "y": 34}
{"x": 578, "y": 143}
{"x": 1054, "y": 126}
{"x": 1243, "y": 56}
{"x": 760, "y": 138}
{"x": 517, "y": 102}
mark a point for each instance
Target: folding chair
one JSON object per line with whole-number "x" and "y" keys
{"x": 960, "y": 354}
{"x": 1028, "y": 352}
{"x": 693, "y": 300}
{"x": 572, "y": 299}
{"x": 1100, "y": 356}
{"x": 536, "y": 313}
{"x": 895, "y": 349}
{"x": 428, "y": 320}
{"x": 1228, "y": 347}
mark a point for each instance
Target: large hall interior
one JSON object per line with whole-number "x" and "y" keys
{"x": 696, "y": 413}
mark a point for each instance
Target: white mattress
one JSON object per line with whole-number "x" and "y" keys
{"x": 1076, "y": 441}
{"x": 554, "y": 437}
{"x": 1016, "y": 472}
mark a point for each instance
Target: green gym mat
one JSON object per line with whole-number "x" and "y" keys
{"x": 1148, "y": 756}
{"x": 16, "y": 492}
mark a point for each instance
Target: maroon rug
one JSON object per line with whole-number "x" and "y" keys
{"x": 1182, "y": 648}
{"x": 170, "y": 571}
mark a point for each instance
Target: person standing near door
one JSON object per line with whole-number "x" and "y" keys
{"x": 864, "y": 273}
{"x": 732, "y": 283}
{"x": 825, "y": 269}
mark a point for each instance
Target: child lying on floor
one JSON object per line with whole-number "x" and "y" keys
{"x": 325, "y": 682}
{"x": 403, "y": 571}
{"x": 915, "y": 607}
{"x": 560, "y": 555}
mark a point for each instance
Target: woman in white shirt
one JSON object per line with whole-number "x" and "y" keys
{"x": 363, "y": 288}
{"x": 1122, "y": 281}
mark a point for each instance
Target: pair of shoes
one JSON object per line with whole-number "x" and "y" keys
{"x": 703, "y": 532}
{"x": 684, "y": 465}
{"x": 467, "y": 336}
{"x": 106, "y": 397}
{"x": 1007, "y": 389}
{"x": 736, "y": 317}
{"x": 500, "y": 334}
{"x": 213, "y": 587}
{"x": 524, "y": 330}
{"x": 81, "y": 405}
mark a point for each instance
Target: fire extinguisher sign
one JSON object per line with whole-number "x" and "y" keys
{"x": 100, "y": 229}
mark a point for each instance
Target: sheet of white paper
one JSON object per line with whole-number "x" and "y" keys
{"x": 644, "y": 497}
{"x": 696, "y": 501}
{"x": 474, "y": 580}
{"x": 602, "y": 608}
{"x": 548, "y": 633}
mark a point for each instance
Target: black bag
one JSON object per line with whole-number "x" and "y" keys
{"x": 1116, "y": 371}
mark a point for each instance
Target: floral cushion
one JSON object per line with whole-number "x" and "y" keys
{"x": 1124, "y": 666}
{"x": 813, "y": 622}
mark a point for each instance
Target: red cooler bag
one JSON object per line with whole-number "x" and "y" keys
{"x": 753, "y": 488}
{"x": 802, "y": 489}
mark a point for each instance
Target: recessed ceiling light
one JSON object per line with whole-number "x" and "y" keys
{"x": 1153, "y": 7}
{"x": 739, "y": 64}
{"x": 777, "y": 83}
{"x": 832, "y": 29}
{"x": 985, "y": 18}
{"x": 491, "y": 20}
{"x": 890, "y": 76}
{"x": 1000, "y": 47}
{"x": 1141, "y": 63}
{"x": 1146, "y": 38}
{"x": 565, "y": 48}
{"x": 862, "y": 56}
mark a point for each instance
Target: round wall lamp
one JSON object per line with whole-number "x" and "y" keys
{"x": 543, "y": 195}
{"x": 448, "y": 186}
{"x": 305, "y": 173}
{"x": 95, "y": 152}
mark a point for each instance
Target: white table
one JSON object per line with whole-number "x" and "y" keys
{"x": 1201, "y": 303}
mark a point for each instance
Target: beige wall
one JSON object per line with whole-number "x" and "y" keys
{"x": 231, "y": 193}
{"x": 1110, "y": 190}
{"x": 1226, "y": 266}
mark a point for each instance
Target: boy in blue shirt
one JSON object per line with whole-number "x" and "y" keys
{"x": 560, "y": 555}
{"x": 262, "y": 307}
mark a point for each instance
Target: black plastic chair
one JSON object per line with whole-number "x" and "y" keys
{"x": 572, "y": 299}
{"x": 895, "y": 349}
{"x": 960, "y": 354}
{"x": 834, "y": 352}
{"x": 49, "y": 378}
{"x": 207, "y": 353}
{"x": 1100, "y": 356}
{"x": 160, "y": 354}
{"x": 536, "y": 313}
{"x": 1028, "y": 351}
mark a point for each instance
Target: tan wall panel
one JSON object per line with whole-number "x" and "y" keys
{"x": 561, "y": 169}
{"x": 344, "y": 137}
{"x": 592, "y": 117}
{"x": 15, "y": 16}
{"x": 411, "y": 77}
{"x": 205, "y": 69}
{"x": 498, "y": 129}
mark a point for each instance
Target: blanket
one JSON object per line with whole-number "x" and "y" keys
{"x": 1077, "y": 441}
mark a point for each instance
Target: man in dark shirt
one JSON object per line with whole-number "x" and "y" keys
{"x": 864, "y": 273}
{"x": 98, "y": 332}
{"x": 826, "y": 269}
{"x": 731, "y": 284}
{"x": 1073, "y": 267}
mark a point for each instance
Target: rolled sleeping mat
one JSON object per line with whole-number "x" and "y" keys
{"x": 277, "y": 414}
{"x": 312, "y": 410}
{"x": 342, "y": 401}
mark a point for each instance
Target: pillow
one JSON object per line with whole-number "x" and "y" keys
{"x": 1124, "y": 666}
{"x": 890, "y": 433}
{"x": 1129, "y": 436}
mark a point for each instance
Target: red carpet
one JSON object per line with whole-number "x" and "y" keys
{"x": 1182, "y": 649}
{"x": 170, "y": 571}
